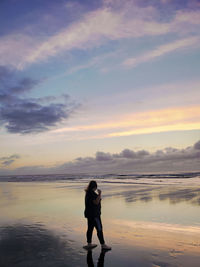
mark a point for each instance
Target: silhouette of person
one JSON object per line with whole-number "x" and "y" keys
{"x": 93, "y": 214}
{"x": 100, "y": 262}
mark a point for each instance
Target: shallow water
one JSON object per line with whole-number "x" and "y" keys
{"x": 42, "y": 224}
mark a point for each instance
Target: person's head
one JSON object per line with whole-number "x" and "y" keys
{"x": 92, "y": 186}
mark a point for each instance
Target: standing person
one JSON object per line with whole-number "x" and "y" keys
{"x": 93, "y": 215}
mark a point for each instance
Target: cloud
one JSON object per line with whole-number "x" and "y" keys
{"x": 162, "y": 50}
{"x": 163, "y": 120}
{"x": 30, "y": 117}
{"x": 4, "y": 73}
{"x": 19, "y": 114}
{"x": 130, "y": 154}
{"x": 150, "y": 121}
{"x": 115, "y": 20}
{"x": 7, "y": 161}
{"x": 127, "y": 153}
{"x": 24, "y": 86}
{"x": 166, "y": 160}
{"x": 15, "y": 47}
{"x": 94, "y": 29}
{"x": 197, "y": 145}
{"x": 186, "y": 20}
{"x": 101, "y": 156}
{"x": 94, "y": 62}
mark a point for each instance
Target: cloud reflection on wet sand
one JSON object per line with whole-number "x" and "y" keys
{"x": 34, "y": 245}
{"x": 148, "y": 193}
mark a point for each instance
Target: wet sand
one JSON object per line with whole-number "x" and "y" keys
{"x": 42, "y": 224}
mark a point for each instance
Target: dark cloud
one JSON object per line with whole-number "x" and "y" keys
{"x": 168, "y": 159}
{"x": 128, "y": 161}
{"x": 24, "y": 85}
{"x": 197, "y": 145}
{"x": 130, "y": 154}
{"x": 6, "y": 161}
{"x": 101, "y": 156}
{"x": 127, "y": 153}
{"x": 31, "y": 117}
{"x": 24, "y": 115}
{"x": 5, "y": 73}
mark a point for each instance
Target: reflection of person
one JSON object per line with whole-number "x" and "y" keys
{"x": 93, "y": 215}
{"x": 100, "y": 259}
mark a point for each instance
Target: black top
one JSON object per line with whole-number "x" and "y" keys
{"x": 91, "y": 210}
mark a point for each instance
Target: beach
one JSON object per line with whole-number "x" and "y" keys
{"x": 152, "y": 221}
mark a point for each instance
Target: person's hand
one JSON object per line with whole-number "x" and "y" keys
{"x": 99, "y": 191}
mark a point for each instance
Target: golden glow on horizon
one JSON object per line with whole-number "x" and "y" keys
{"x": 170, "y": 119}
{"x": 167, "y": 128}
{"x": 108, "y": 131}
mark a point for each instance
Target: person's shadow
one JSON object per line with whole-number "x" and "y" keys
{"x": 100, "y": 262}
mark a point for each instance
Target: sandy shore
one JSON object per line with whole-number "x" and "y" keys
{"x": 42, "y": 224}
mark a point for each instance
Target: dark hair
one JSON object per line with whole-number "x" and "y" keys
{"x": 92, "y": 184}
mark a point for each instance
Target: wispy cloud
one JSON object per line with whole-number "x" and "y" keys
{"x": 162, "y": 120}
{"x": 96, "y": 27}
{"x": 7, "y": 161}
{"x": 187, "y": 18}
{"x": 15, "y": 47}
{"x": 162, "y": 50}
{"x": 110, "y": 22}
{"x": 94, "y": 62}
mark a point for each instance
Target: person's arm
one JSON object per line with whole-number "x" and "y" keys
{"x": 98, "y": 199}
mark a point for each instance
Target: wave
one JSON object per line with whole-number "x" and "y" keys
{"x": 112, "y": 178}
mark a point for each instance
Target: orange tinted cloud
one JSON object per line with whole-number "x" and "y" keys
{"x": 171, "y": 119}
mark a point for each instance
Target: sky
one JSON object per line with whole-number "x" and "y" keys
{"x": 99, "y": 86}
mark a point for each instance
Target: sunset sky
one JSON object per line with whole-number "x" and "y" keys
{"x": 99, "y": 86}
